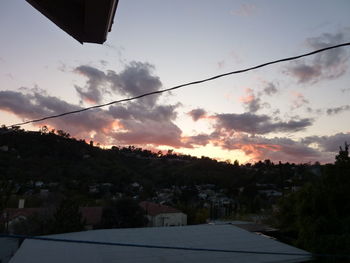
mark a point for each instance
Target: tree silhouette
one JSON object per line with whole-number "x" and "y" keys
{"x": 67, "y": 218}
{"x": 343, "y": 157}
{"x": 318, "y": 215}
{"x": 124, "y": 213}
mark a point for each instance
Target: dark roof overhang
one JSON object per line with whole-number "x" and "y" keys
{"x": 85, "y": 20}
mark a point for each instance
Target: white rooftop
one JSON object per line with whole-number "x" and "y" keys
{"x": 199, "y": 236}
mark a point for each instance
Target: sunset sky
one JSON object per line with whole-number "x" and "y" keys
{"x": 296, "y": 111}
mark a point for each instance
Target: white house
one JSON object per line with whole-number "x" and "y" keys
{"x": 162, "y": 215}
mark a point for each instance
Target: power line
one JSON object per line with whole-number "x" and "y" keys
{"x": 182, "y": 85}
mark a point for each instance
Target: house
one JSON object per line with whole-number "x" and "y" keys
{"x": 163, "y": 215}
{"x": 204, "y": 243}
{"x": 91, "y": 216}
{"x": 11, "y": 216}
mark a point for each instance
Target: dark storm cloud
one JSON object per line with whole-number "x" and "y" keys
{"x": 326, "y": 65}
{"x": 197, "y": 114}
{"x": 258, "y": 124}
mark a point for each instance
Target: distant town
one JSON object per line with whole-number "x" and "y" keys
{"x": 51, "y": 183}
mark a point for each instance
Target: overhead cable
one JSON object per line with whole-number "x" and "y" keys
{"x": 181, "y": 86}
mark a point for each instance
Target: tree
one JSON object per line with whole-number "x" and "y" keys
{"x": 35, "y": 225}
{"x": 124, "y": 213}
{"x": 67, "y": 218}
{"x": 318, "y": 215}
{"x": 343, "y": 158}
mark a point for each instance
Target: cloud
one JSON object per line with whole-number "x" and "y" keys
{"x": 221, "y": 64}
{"x": 330, "y": 64}
{"x": 251, "y": 102}
{"x": 136, "y": 79}
{"x": 152, "y": 126}
{"x": 132, "y": 124}
{"x": 257, "y": 124}
{"x": 197, "y": 114}
{"x": 138, "y": 111}
{"x": 36, "y": 105}
{"x": 337, "y": 110}
{"x": 146, "y": 125}
{"x": 143, "y": 121}
{"x": 151, "y": 132}
{"x": 245, "y": 10}
{"x": 95, "y": 85}
{"x": 104, "y": 62}
{"x": 270, "y": 89}
{"x": 328, "y": 143}
{"x": 306, "y": 73}
{"x": 275, "y": 149}
{"x": 198, "y": 140}
{"x": 299, "y": 100}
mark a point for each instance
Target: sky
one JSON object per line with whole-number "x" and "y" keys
{"x": 296, "y": 111}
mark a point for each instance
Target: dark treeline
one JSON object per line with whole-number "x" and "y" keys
{"x": 55, "y": 157}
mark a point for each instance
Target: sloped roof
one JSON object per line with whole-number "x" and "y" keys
{"x": 224, "y": 237}
{"x": 154, "y": 209}
{"x": 85, "y": 20}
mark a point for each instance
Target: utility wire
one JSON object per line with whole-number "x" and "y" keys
{"x": 168, "y": 247}
{"x": 182, "y": 85}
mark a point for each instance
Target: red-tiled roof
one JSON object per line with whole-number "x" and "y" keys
{"x": 91, "y": 215}
{"x": 154, "y": 209}
{"x": 11, "y": 213}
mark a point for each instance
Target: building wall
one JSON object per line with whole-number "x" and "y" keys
{"x": 168, "y": 219}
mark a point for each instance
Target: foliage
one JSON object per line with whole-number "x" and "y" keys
{"x": 67, "y": 218}
{"x": 318, "y": 216}
{"x": 35, "y": 225}
{"x": 124, "y": 213}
